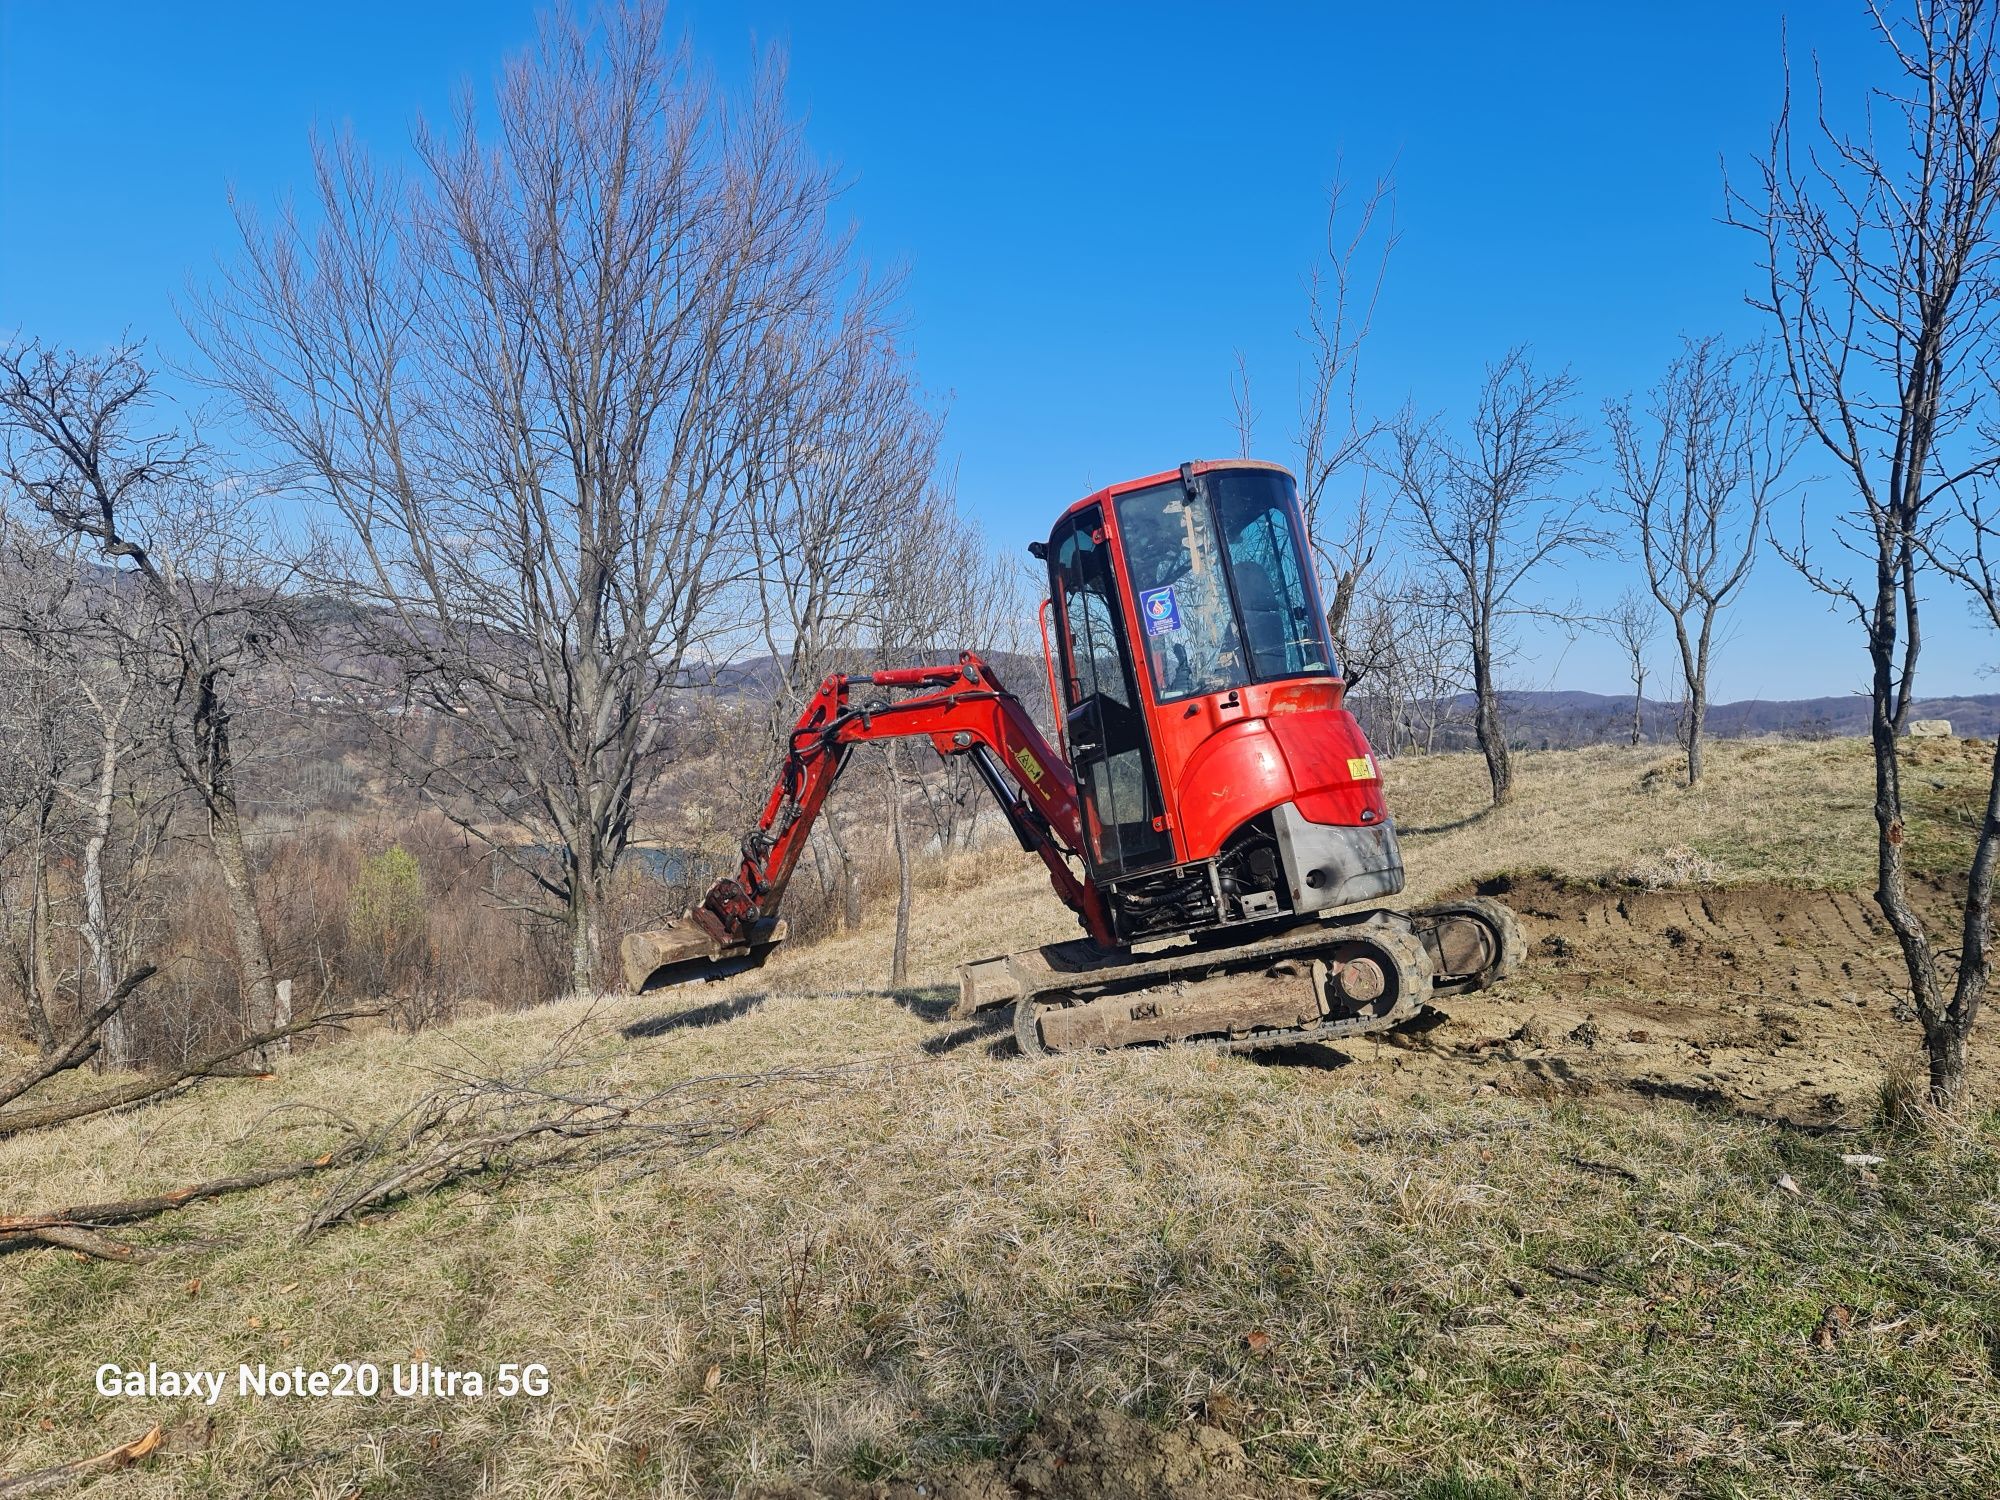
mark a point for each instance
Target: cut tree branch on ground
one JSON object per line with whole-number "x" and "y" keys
{"x": 41, "y": 1481}
{"x": 19, "y": 1121}
{"x": 525, "y": 1122}
{"x": 69, "y": 1228}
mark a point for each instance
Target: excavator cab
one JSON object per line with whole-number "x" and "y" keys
{"x": 1220, "y": 777}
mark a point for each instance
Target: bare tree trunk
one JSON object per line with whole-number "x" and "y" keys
{"x": 850, "y": 885}
{"x": 584, "y": 916}
{"x": 1487, "y": 726}
{"x": 117, "y": 1048}
{"x": 1638, "y": 706}
{"x": 899, "y": 962}
{"x": 1947, "y": 1053}
{"x": 217, "y": 779}
{"x": 39, "y": 995}
{"x": 260, "y": 1001}
{"x": 1692, "y": 722}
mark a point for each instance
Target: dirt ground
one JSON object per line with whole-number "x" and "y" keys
{"x": 1770, "y": 1000}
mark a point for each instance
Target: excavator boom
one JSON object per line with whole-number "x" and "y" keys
{"x": 963, "y": 710}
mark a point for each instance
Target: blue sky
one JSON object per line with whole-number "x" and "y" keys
{"x": 1096, "y": 207}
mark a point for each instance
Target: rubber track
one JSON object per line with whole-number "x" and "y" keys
{"x": 1499, "y": 919}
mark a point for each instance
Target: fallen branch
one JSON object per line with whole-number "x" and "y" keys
{"x": 43, "y": 1480}
{"x": 61, "y": 1226}
{"x": 18, "y": 1121}
{"x": 82, "y": 1042}
{"x": 89, "y": 1242}
{"x": 453, "y": 1160}
{"x": 524, "y": 1123}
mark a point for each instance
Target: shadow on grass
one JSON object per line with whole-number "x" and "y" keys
{"x": 702, "y": 1015}
{"x": 1318, "y": 1057}
{"x": 930, "y": 1003}
{"x": 994, "y": 1028}
{"x": 935, "y": 1004}
{"x": 1452, "y": 827}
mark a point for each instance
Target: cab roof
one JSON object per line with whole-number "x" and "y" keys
{"x": 1111, "y": 492}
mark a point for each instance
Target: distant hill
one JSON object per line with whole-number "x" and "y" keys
{"x": 1558, "y": 720}
{"x": 1540, "y": 720}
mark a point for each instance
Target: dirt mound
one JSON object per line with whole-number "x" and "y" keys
{"x": 1760, "y": 940}
{"x": 1094, "y": 1455}
{"x": 1767, "y": 999}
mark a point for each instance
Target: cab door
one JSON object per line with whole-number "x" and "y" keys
{"x": 1105, "y": 725}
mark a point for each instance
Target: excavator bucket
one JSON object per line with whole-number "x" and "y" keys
{"x": 687, "y": 953}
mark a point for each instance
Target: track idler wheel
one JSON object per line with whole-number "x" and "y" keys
{"x": 1028, "y": 1026}
{"x": 1473, "y": 943}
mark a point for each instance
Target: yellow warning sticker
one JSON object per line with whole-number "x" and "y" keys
{"x": 1361, "y": 768}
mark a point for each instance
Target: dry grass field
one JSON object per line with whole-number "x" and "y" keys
{"x": 1596, "y": 1233}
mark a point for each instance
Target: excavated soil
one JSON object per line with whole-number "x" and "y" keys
{"x": 1092, "y": 1455}
{"x": 1771, "y": 1000}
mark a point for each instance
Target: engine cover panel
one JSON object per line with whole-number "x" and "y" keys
{"x": 1330, "y": 864}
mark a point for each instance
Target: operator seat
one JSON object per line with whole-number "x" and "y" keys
{"x": 1263, "y": 616}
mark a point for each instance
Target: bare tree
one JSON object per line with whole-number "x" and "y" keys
{"x": 1415, "y": 673}
{"x": 1246, "y": 413}
{"x": 1336, "y": 438}
{"x": 1634, "y": 625}
{"x": 44, "y": 626}
{"x": 841, "y": 482}
{"x": 146, "y": 505}
{"x": 1489, "y": 517}
{"x": 531, "y": 384}
{"x": 1696, "y": 482}
{"x": 1882, "y": 281}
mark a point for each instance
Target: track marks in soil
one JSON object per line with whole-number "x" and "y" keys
{"x": 1764, "y": 999}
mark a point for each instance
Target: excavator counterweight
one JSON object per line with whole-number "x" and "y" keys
{"x": 1213, "y": 815}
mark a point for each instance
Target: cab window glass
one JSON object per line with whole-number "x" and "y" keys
{"x": 1275, "y": 597}
{"x": 1180, "y": 592}
{"x": 1089, "y": 612}
{"x": 1106, "y": 734}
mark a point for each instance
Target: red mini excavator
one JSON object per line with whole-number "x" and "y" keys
{"x": 1214, "y": 817}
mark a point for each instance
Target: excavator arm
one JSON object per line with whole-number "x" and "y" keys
{"x": 963, "y": 710}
